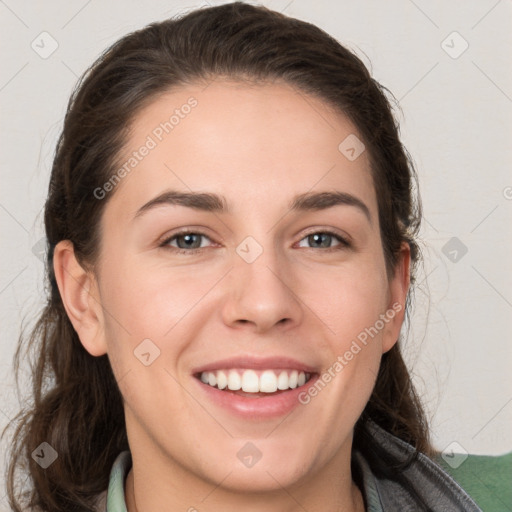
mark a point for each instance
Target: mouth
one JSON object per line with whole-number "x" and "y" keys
{"x": 252, "y": 383}
{"x": 254, "y": 388}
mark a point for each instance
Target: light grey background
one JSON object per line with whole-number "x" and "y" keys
{"x": 456, "y": 121}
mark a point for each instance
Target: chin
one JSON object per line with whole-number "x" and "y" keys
{"x": 262, "y": 466}
{"x": 262, "y": 478}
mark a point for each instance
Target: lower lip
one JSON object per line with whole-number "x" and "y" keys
{"x": 259, "y": 407}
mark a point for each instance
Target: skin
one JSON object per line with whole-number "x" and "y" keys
{"x": 259, "y": 146}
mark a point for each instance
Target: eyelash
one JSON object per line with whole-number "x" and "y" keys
{"x": 343, "y": 243}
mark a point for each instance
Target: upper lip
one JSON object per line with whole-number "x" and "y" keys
{"x": 255, "y": 363}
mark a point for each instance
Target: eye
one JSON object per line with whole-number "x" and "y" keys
{"x": 188, "y": 241}
{"x": 191, "y": 241}
{"x": 324, "y": 240}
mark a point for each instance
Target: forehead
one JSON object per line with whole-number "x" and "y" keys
{"x": 251, "y": 143}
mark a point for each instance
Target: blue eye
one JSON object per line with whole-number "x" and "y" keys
{"x": 190, "y": 241}
{"x": 187, "y": 242}
{"x": 324, "y": 240}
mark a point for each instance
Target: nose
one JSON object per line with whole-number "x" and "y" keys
{"x": 260, "y": 295}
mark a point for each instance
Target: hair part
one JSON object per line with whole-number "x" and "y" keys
{"x": 76, "y": 403}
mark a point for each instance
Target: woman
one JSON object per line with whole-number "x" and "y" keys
{"x": 232, "y": 239}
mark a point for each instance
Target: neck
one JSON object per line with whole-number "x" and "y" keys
{"x": 148, "y": 489}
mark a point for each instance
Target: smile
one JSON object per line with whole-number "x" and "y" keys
{"x": 253, "y": 387}
{"x": 255, "y": 381}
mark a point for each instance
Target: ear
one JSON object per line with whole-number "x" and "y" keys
{"x": 79, "y": 292}
{"x": 398, "y": 288}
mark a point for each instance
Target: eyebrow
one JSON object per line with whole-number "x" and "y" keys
{"x": 209, "y": 202}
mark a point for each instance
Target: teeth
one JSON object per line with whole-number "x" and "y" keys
{"x": 268, "y": 382}
{"x": 222, "y": 380}
{"x": 294, "y": 377}
{"x": 251, "y": 381}
{"x": 234, "y": 380}
{"x": 282, "y": 381}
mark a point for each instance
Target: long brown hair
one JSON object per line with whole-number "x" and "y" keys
{"x": 76, "y": 405}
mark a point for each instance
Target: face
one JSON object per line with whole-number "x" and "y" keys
{"x": 243, "y": 249}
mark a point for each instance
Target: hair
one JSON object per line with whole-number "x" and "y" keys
{"x": 76, "y": 405}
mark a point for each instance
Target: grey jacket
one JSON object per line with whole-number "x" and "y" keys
{"x": 420, "y": 485}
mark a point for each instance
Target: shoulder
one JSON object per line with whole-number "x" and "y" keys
{"x": 396, "y": 477}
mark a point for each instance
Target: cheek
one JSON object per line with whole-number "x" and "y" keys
{"x": 149, "y": 301}
{"x": 350, "y": 305}
{"x": 151, "y": 316}
{"x": 347, "y": 300}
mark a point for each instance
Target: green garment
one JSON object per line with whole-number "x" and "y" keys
{"x": 487, "y": 479}
{"x": 115, "y": 494}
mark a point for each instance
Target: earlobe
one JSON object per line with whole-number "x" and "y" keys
{"x": 78, "y": 290}
{"x": 398, "y": 287}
